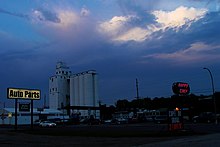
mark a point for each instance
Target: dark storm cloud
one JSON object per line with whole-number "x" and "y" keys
{"x": 14, "y": 14}
{"x": 132, "y": 7}
{"x": 25, "y": 65}
{"x": 207, "y": 29}
{"x": 190, "y": 46}
{"x": 40, "y": 14}
{"x": 138, "y": 7}
{"x": 46, "y": 15}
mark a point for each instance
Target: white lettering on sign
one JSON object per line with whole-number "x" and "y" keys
{"x": 175, "y": 120}
{"x": 172, "y": 113}
{"x": 14, "y": 93}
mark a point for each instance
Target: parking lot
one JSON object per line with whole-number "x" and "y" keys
{"x": 101, "y": 135}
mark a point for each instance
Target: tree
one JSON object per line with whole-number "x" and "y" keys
{"x": 122, "y": 105}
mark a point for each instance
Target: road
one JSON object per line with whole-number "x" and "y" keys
{"x": 107, "y": 135}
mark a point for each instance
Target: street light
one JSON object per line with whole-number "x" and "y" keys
{"x": 213, "y": 94}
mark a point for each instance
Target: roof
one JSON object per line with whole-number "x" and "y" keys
{"x": 35, "y": 110}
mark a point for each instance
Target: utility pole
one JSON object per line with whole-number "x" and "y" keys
{"x": 137, "y": 90}
{"x": 44, "y": 101}
{"x": 213, "y": 94}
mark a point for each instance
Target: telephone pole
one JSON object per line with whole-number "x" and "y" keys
{"x": 137, "y": 90}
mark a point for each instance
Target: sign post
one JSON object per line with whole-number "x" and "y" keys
{"x": 16, "y": 114}
{"x": 175, "y": 116}
{"x": 175, "y": 120}
{"x": 25, "y": 94}
{"x": 32, "y": 114}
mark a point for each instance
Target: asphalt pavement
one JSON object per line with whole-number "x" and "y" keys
{"x": 111, "y": 135}
{"x": 210, "y": 140}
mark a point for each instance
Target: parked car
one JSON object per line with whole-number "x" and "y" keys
{"x": 57, "y": 121}
{"x": 84, "y": 121}
{"x": 47, "y": 124}
{"x": 109, "y": 121}
{"x": 37, "y": 122}
{"x": 204, "y": 117}
{"x": 161, "y": 119}
{"x": 94, "y": 122}
{"x": 133, "y": 120}
{"x": 118, "y": 121}
{"x": 90, "y": 121}
{"x": 149, "y": 119}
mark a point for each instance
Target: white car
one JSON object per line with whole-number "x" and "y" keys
{"x": 47, "y": 124}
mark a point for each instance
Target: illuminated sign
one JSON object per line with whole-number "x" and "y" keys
{"x": 24, "y": 107}
{"x": 15, "y": 93}
{"x": 175, "y": 120}
{"x": 181, "y": 88}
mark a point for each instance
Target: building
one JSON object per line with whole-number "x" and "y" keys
{"x": 24, "y": 118}
{"x": 59, "y": 94}
{"x": 79, "y": 91}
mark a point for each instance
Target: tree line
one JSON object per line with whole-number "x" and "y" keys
{"x": 194, "y": 104}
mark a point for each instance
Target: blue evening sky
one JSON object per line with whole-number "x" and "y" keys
{"x": 156, "y": 41}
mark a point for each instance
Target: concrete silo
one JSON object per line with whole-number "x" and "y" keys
{"x": 84, "y": 93}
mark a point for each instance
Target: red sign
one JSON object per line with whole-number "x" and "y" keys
{"x": 181, "y": 88}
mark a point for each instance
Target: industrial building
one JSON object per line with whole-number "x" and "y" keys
{"x": 78, "y": 92}
{"x": 24, "y": 118}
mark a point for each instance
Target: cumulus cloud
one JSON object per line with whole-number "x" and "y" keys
{"x": 72, "y": 27}
{"x": 74, "y": 38}
{"x": 60, "y": 18}
{"x": 85, "y": 12}
{"x": 122, "y": 28}
{"x": 179, "y": 17}
{"x": 67, "y": 18}
{"x": 116, "y": 25}
{"x": 136, "y": 34}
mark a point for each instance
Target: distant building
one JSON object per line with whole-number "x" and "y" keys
{"x": 59, "y": 94}
{"x": 24, "y": 118}
{"x": 77, "y": 91}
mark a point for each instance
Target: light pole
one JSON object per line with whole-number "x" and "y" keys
{"x": 213, "y": 94}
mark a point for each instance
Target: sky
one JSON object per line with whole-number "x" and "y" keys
{"x": 158, "y": 42}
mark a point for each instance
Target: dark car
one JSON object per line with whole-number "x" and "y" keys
{"x": 118, "y": 121}
{"x": 90, "y": 121}
{"x": 161, "y": 119}
{"x": 204, "y": 117}
{"x": 94, "y": 122}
